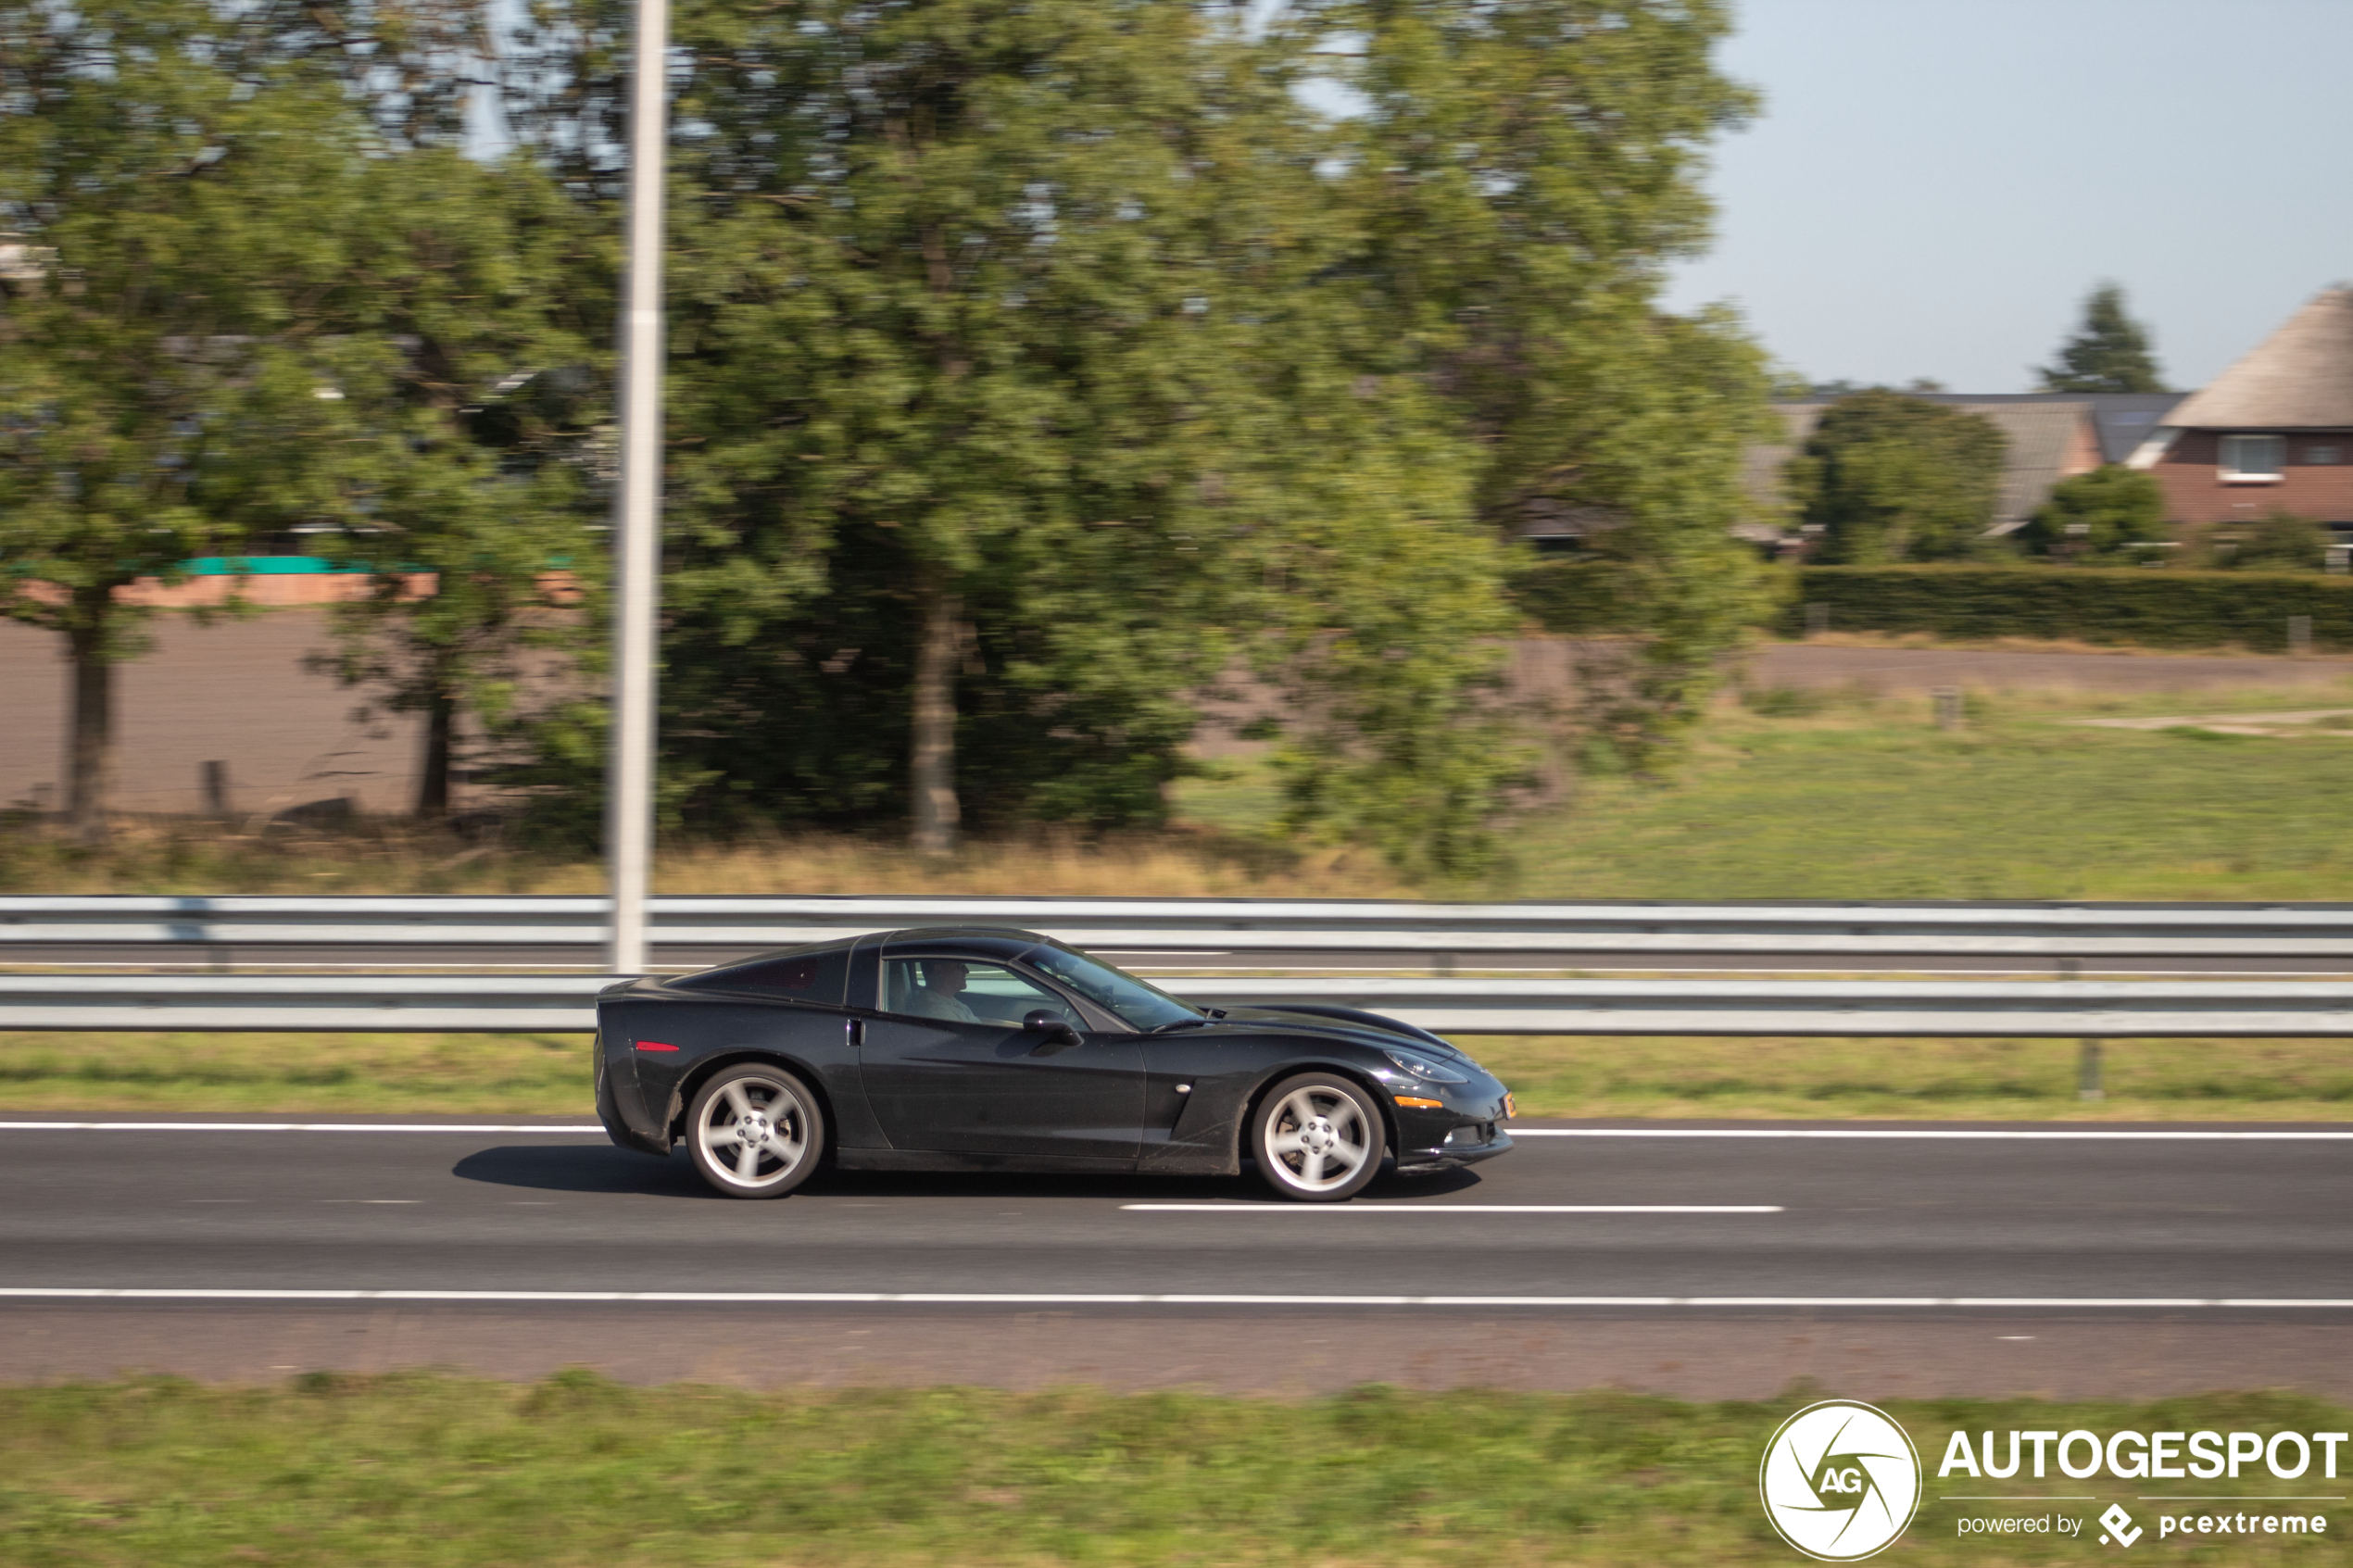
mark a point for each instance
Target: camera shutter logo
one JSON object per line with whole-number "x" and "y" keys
{"x": 1839, "y": 1481}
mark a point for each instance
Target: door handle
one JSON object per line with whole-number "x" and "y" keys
{"x": 857, "y": 1031}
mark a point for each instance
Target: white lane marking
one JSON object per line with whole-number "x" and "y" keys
{"x": 1022, "y": 1299}
{"x": 1454, "y": 1207}
{"x": 2120, "y": 1136}
{"x": 278, "y": 1127}
{"x": 371, "y": 1200}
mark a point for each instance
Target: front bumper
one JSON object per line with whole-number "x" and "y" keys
{"x": 1449, "y": 1155}
{"x": 1464, "y": 1127}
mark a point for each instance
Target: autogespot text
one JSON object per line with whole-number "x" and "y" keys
{"x": 2152, "y": 1456}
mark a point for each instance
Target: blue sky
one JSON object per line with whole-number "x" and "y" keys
{"x": 1935, "y": 184}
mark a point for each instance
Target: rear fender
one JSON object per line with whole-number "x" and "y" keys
{"x": 675, "y": 1115}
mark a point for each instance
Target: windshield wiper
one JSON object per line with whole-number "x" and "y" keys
{"x": 1179, "y": 1023}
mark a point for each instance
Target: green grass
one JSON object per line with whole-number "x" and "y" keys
{"x": 462, "y": 1075}
{"x": 1594, "y": 1077}
{"x": 1922, "y": 1080}
{"x": 428, "y": 1471}
{"x": 1869, "y": 801}
{"x": 1824, "y": 795}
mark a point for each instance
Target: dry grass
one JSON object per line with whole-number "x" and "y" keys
{"x": 387, "y": 856}
{"x": 2021, "y": 644}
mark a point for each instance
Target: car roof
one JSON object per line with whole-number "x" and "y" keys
{"x": 991, "y": 941}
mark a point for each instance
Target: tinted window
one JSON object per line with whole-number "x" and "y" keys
{"x": 803, "y": 977}
{"x": 963, "y": 991}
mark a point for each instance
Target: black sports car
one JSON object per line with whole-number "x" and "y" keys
{"x": 988, "y": 1049}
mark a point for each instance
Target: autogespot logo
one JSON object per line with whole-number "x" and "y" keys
{"x": 1839, "y": 1481}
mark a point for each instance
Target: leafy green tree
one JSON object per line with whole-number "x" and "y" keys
{"x": 961, "y": 359}
{"x": 1032, "y": 364}
{"x": 147, "y": 372}
{"x": 1525, "y": 173}
{"x": 2108, "y": 352}
{"x": 455, "y": 462}
{"x": 1892, "y": 478}
{"x": 2117, "y": 507}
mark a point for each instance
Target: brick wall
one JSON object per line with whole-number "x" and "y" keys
{"x": 2196, "y": 492}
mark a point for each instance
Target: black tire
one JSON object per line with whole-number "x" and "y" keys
{"x": 778, "y": 1108}
{"x": 1307, "y": 1124}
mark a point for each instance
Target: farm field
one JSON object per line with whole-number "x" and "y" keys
{"x": 1789, "y": 791}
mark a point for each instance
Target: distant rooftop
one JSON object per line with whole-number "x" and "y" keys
{"x": 2121, "y": 420}
{"x": 2299, "y": 378}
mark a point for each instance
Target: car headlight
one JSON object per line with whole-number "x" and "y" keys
{"x": 1428, "y": 1072}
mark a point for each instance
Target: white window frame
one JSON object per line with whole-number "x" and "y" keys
{"x": 2231, "y": 474}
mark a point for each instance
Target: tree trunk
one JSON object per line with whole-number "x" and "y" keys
{"x": 90, "y": 763}
{"x": 433, "y": 789}
{"x": 933, "y": 774}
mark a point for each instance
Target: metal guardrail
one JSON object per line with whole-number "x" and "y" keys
{"x": 2089, "y": 1010}
{"x": 701, "y": 925}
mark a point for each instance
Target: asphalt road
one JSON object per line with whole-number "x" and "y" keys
{"x": 2035, "y": 1261}
{"x": 2041, "y": 1219}
{"x": 1862, "y": 1259}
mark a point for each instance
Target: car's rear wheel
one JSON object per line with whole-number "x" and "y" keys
{"x": 1318, "y": 1138}
{"x": 755, "y": 1131}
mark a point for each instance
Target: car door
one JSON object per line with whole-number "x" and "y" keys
{"x": 949, "y": 1068}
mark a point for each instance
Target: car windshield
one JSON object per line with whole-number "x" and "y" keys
{"x": 1139, "y": 1006}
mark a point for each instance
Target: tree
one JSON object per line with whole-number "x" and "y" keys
{"x": 2115, "y": 507}
{"x": 2108, "y": 352}
{"x": 454, "y": 461}
{"x": 960, "y": 357}
{"x": 1892, "y": 478}
{"x": 145, "y": 374}
{"x": 1526, "y": 172}
{"x": 1033, "y": 363}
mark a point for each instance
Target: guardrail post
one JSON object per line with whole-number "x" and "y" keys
{"x": 2087, "y": 1072}
{"x": 2299, "y": 635}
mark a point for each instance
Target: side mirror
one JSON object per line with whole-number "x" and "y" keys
{"x": 1054, "y": 1025}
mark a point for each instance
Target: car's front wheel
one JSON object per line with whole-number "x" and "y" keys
{"x": 755, "y": 1131}
{"x": 1318, "y": 1138}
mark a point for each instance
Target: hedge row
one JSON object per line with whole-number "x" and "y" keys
{"x": 2130, "y": 606}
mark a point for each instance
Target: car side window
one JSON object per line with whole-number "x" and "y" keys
{"x": 805, "y": 977}
{"x": 962, "y": 991}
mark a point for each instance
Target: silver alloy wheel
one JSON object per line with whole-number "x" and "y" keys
{"x": 1316, "y": 1139}
{"x": 754, "y": 1131}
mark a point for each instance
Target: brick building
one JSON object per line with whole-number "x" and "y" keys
{"x": 2273, "y": 432}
